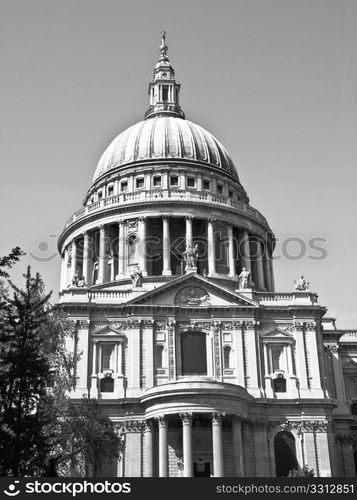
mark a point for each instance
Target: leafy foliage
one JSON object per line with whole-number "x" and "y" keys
{"x": 9, "y": 260}
{"x": 304, "y": 472}
{"x": 41, "y": 428}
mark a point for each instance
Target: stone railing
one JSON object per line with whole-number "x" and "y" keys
{"x": 84, "y": 295}
{"x": 139, "y": 197}
{"x": 276, "y": 298}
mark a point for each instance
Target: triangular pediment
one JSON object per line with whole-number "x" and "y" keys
{"x": 276, "y": 333}
{"x": 107, "y": 331}
{"x": 193, "y": 290}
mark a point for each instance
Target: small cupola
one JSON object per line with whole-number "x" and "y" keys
{"x": 164, "y": 90}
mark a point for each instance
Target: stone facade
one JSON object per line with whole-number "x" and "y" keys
{"x": 167, "y": 274}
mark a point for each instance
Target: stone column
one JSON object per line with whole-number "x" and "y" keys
{"x": 94, "y": 377}
{"x": 149, "y": 449}
{"x": 166, "y": 271}
{"x": 102, "y": 255}
{"x": 253, "y": 364}
{"x": 217, "y": 445}
{"x": 74, "y": 259}
{"x": 262, "y": 460}
{"x": 267, "y": 273}
{"x": 189, "y": 233}
{"x": 259, "y": 261}
{"x": 64, "y": 267}
{"x": 163, "y": 447}
{"x": 121, "y": 249}
{"x": 86, "y": 258}
{"x": 142, "y": 245}
{"x": 232, "y": 270}
{"x": 237, "y": 447}
{"x": 310, "y": 336}
{"x": 272, "y": 274}
{"x": 244, "y": 251}
{"x": 301, "y": 361}
{"x": 339, "y": 380}
{"x": 187, "y": 444}
{"x": 211, "y": 248}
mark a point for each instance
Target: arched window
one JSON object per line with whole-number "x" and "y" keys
{"x": 159, "y": 351}
{"x": 193, "y": 353}
{"x": 354, "y": 408}
{"x": 279, "y": 384}
{"x": 107, "y": 384}
{"x": 227, "y": 356}
{"x": 285, "y": 453}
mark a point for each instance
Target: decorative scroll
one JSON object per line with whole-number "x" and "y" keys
{"x": 171, "y": 342}
{"x": 119, "y": 325}
{"x": 217, "y": 351}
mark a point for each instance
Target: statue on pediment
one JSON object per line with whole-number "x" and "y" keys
{"x": 191, "y": 256}
{"x": 244, "y": 278}
{"x": 301, "y": 285}
{"x": 137, "y": 277}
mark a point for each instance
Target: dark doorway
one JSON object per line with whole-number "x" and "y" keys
{"x": 193, "y": 353}
{"x": 201, "y": 469}
{"x": 285, "y": 453}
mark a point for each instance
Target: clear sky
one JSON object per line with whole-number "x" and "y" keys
{"x": 274, "y": 80}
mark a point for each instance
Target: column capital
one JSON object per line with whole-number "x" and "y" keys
{"x": 148, "y": 425}
{"x": 189, "y": 217}
{"x": 186, "y": 418}
{"x": 85, "y": 233}
{"x": 102, "y": 227}
{"x": 142, "y": 218}
{"x": 162, "y": 421}
{"x": 217, "y": 418}
{"x": 211, "y": 220}
{"x": 121, "y": 222}
{"x": 166, "y": 216}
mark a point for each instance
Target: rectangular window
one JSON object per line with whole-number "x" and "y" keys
{"x": 219, "y": 189}
{"x": 230, "y": 194}
{"x": 206, "y": 184}
{"x": 190, "y": 182}
{"x": 157, "y": 181}
{"x": 140, "y": 183}
{"x": 174, "y": 180}
{"x": 124, "y": 186}
{"x": 100, "y": 195}
{"x": 165, "y": 93}
{"x": 110, "y": 190}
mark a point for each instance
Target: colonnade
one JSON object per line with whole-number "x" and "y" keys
{"x": 259, "y": 263}
{"x": 186, "y": 418}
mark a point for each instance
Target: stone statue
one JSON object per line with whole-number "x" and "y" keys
{"x": 137, "y": 277}
{"x": 191, "y": 255}
{"x": 301, "y": 285}
{"x": 78, "y": 280}
{"x": 244, "y": 278}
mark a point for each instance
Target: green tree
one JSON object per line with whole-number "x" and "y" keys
{"x": 41, "y": 428}
{"x": 304, "y": 472}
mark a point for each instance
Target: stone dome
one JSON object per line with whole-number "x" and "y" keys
{"x": 165, "y": 138}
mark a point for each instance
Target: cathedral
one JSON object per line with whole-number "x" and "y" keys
{"x": 167, "y": 273}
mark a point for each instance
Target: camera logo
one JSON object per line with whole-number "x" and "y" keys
{"x": 13, "y": 490}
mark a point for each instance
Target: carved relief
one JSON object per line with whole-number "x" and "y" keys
{"x": 98, "y": 325}
{"x": 132, "y": 226}
{"x": 134, "y": 425}
{"x": 192, "y": 296}
{"x": 308, "y": 425}
{"x": 119, "y": 325}
{"x": 83, "y": 324}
